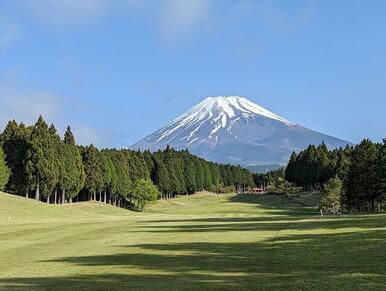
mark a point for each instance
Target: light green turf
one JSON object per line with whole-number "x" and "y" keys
{"x": 196, "y": 242}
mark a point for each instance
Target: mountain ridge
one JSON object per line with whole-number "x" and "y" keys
{"x": 233, "y": 129}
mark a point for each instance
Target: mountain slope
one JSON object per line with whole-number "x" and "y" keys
{"x": 235, "y": 130}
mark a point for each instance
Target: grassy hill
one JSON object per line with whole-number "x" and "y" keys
{"x": 198, "y": 242}
{"x": 21, "y": 210}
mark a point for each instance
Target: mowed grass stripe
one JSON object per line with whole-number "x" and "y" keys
{"x": 196, "y": 242}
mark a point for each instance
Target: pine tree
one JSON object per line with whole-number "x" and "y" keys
{"x": 290, "y": 169}
{"x": 362, "y": 177}
{"x": 93, "y": 171}
{"x": 190, "y": 175}
{"x": 162, "y": 178}
{"x": 15, "y": 142}
{"x": 149, "y": 162}
{"x": 381, "y": 175}
{"x": 72, "y": 175}
{"x": 60, "y": 159}
{"x": 107, "y": 175}
{"x": 122, "y": 183}
{"x": 42, "y": 166}
{"x": 199, "y": 174}
{"x": 4, "y": 171}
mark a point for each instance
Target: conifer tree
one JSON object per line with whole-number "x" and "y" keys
{"x": 381, "y": 175}
{"x": 4, "y": 171}
{"x": 362, "y": 178}
{"x": 15, "y": 143}
{"x": 107, "y": 172}
{"x": 162, "y": 178}
{"x": 60, "y": 160}
{"x": 190, "y": 175}
{"x": 122, "y": 182}
{"x": 74, "y": 175}
{"x": 93, "y": 171}
{"x": 42, "y": 167}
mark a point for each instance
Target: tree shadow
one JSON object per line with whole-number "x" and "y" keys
{"x": 243, "y": 224}
{"x": 299, "y": 261}
{"x": 278, "y": 204}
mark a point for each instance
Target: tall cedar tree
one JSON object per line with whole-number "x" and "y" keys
{"x": 73, "y": 165}
{"x": 162, "y": 178}
{"x": 42, "y": 167}
{"x": 15, "y": 142}
{"x": 362, "y": 178}
{"x": 381, "y": 174}
{"x": 4, "y": 171}
{"x": 93, "y": 171}
{"x": 60, "y": 160}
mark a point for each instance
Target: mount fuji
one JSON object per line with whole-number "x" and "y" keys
{"x": 235, "y": 130}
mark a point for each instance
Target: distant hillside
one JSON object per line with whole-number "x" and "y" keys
{"x": 264, "y": 168}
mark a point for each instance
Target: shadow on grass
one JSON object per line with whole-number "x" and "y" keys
{"x": 302, "y": 261}
{"x": 241, "y": 224}
{"x": 351, "y": 259}
{"x": 351, "y": 256}
{"x": 275, "y": 201}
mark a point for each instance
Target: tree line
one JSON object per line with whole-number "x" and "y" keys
{"x": 356, "y": 173}
{"x": 37, "y": 163}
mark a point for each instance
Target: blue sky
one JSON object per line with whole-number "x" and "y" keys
{"x": 116, "y": 70}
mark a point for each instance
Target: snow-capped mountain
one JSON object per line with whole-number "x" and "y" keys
{"x": 235, "y": 130}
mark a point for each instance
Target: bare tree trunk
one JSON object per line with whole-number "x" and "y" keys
{"x": 27, "y": 193}
{"x": 37, "y": 193}
{"x": 48, "y": 199}
{"x": 70, "y": 199}
{"x": 105, "y": 196}
{"x": 64, "y": 195}
{"x": 100, "y": 195}
{"x": 56, "y": 195}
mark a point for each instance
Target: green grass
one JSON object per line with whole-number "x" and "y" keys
{"x": 196, "y": 242}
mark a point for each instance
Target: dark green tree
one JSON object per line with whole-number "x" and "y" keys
{"x": 162, "y": 178}
{"x": 93, "y": 170}
{"x": 362, "y": 178}
{"x": 15, "y": 143}
{"x": 72, "y": 175}
{"x": 42, "y": 167}
{"x": 4, "y": 171}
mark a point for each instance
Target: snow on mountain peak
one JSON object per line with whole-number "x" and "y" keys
{"x": 221, "y": 112}
{"x": 226, "y": 107}
{"x": 233, "y": 129}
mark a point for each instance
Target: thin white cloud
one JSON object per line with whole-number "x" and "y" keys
{"x": 25, "y": 106}
{"x": 180, "y": 18}
{"x": 273, "y": 15}
{"x": 174, "y": 20}
{"x": 9, "y": 33}
{"x": 66, "y": 13}
{"x": 85, "y": 135}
